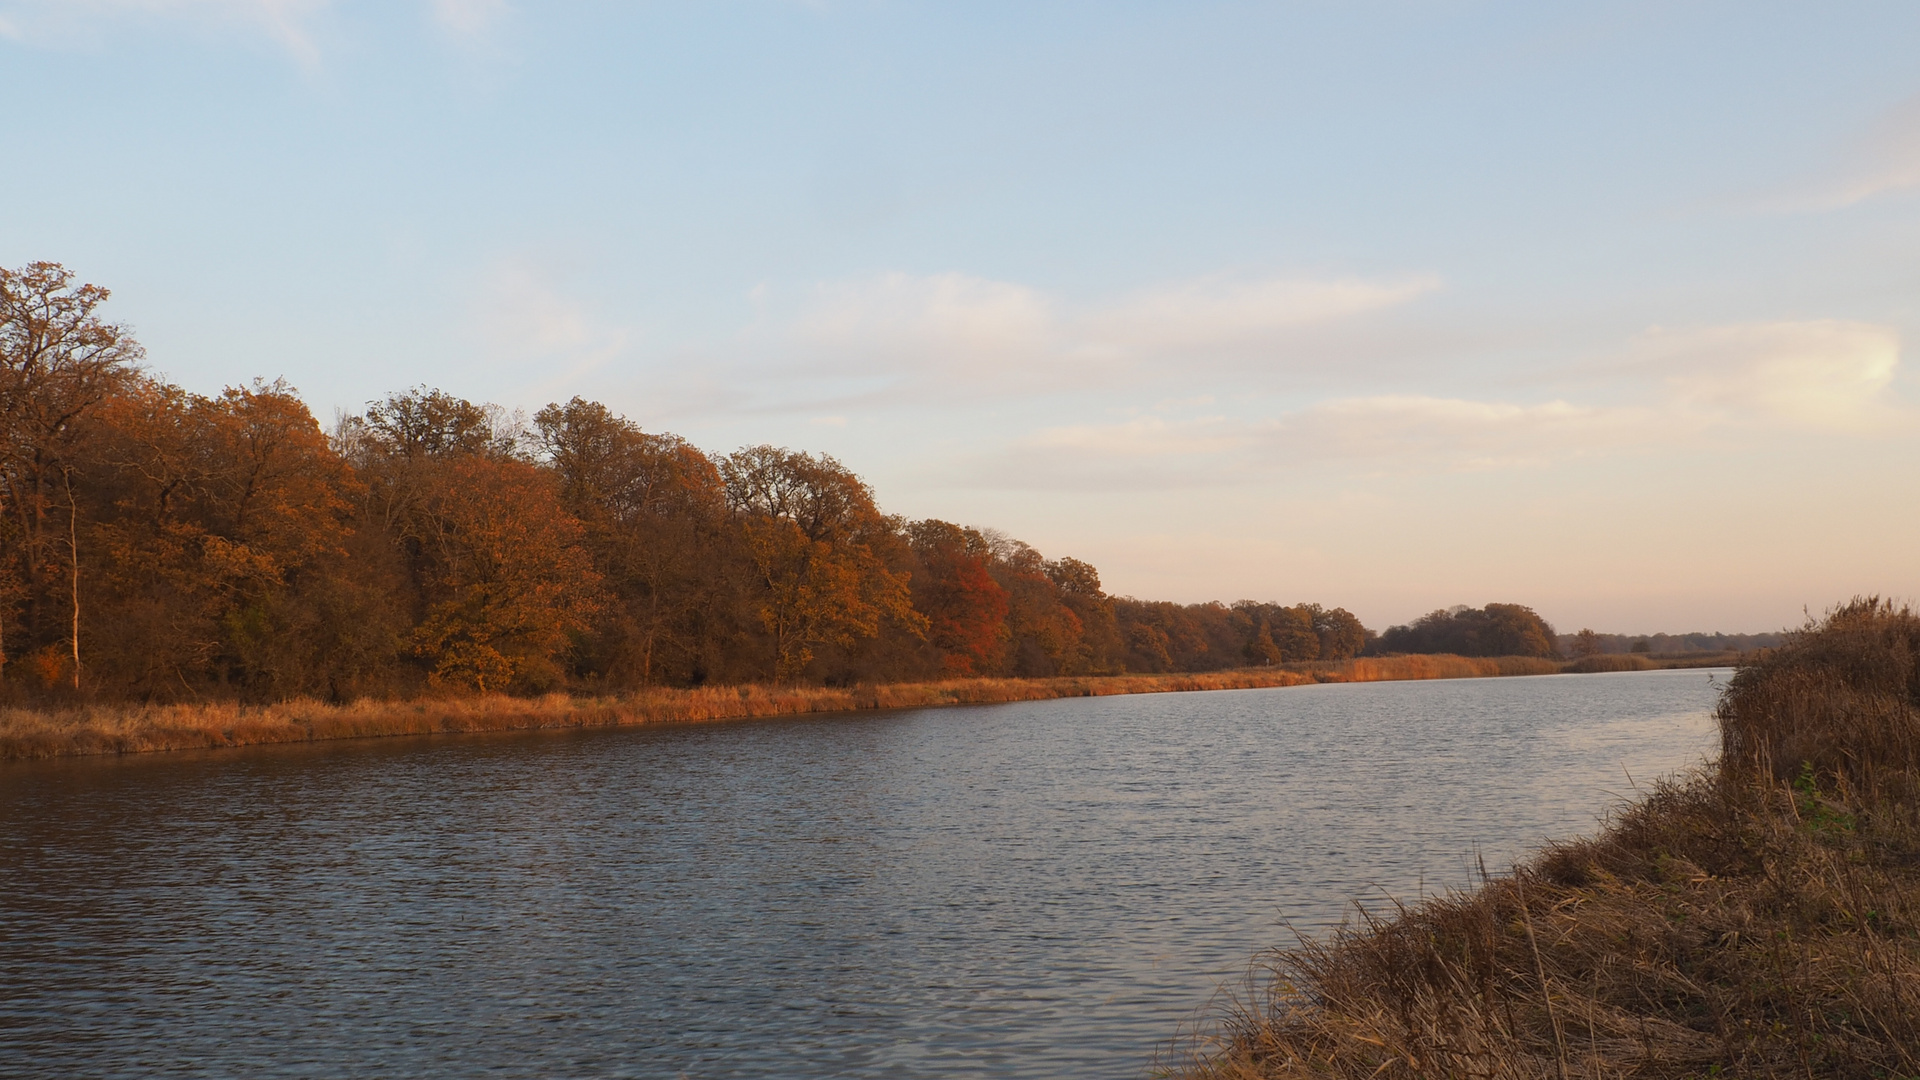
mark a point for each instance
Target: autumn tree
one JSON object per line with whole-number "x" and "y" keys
{"x": 810, "y": 530}
{"x": 1587, "y": 643}
{"x": 966, "y": 608}
{"x": 1196, "y": 637}
{"x": 1495, "y": 630}
{"x": 1163, "y": 636}
{"x": 1077, "y": 584}
{"x": 215, "y": 523}
{"x": 1293, "y": 632}
{"x": 1261, "y": 648}
{"x": 822, "y": 497}
{"x": 1275, "y": 633}
{"x": 396, "y": 444}
{"x": 158, "y": 573}
{"x": 427, "y": 423}
{"x": 654, "y": 510}
{"x": 58, "y": 361}
{"x": 311, "y": 619}
{"x": 502, "y": 580}
{"x": 507, "y": 580}
{"x": 1044, "y": 633}
{"x": 1339, "y": 632}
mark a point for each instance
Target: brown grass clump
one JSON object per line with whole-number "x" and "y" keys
{"x": 1758, "y": 920}
{"x": 123, "y": 729}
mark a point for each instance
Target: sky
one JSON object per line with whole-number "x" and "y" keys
{"x": 1605, "y": 309}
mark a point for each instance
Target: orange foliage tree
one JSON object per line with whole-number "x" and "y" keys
{"x": 654, "y": 509}
{"x": 1044, "y": 633}
{"x": 502, "y": 583}
{"x": 966, "y": 609}
{"x": 810, "y": 528}
{"x": 207, "y": 515}
{"x": 507, "y": 580}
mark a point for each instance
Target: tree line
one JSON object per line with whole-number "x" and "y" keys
{"x": 164, "y": 545}
{"x": 1592, "y": 643}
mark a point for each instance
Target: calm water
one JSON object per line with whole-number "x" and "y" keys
{"x": 1042, "y": 890}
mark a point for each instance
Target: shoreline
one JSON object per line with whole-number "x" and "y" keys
{"x": 94, "y": 730}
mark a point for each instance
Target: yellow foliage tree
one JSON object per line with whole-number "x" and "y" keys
{"x": 819, "y": 594}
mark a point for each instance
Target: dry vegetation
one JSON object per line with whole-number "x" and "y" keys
{"x": 122, "y": 729}
{"x": 1642, "y": 662}
{"x": 1758, "y": 920}
{"x": 1613, "y": 662}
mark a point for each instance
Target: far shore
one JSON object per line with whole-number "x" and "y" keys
{"x": 91, "y": 729}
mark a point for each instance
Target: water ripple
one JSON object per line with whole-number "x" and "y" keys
{"x": 1033, "y": 890}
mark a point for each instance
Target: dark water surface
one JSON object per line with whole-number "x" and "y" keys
{"x": 1030, "y": 890}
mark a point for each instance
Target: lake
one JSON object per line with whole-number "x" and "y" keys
{"x": 1045, "y": 889}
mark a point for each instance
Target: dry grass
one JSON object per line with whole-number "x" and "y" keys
{"x": 1650, "y": 662}
{"x": 124, "y": 729}
{"x": 1758, "y": 920}
{"x": 1612, "y": 662}
{"x": 1442, "y": 666}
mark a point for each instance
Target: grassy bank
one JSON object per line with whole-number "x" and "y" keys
{"x": 1650, "y": 662}
{"x": 1759, "y": 920}
{"x": 126, "y": 729}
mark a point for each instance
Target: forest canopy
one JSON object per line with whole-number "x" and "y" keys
{"x": 159, "y": 545}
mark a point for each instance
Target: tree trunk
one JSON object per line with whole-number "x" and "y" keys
{"x": 73, "y": 552}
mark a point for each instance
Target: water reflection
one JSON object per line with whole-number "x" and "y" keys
{"x": 1025, "y": 890}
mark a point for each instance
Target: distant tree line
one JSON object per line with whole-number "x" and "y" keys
{"x": 1591, "y": 643}
{"x": 158, "y": 544}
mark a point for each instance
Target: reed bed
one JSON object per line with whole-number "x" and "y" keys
{"x": 127, "y": 729}
{"x": 1758, "y": 919}
{"x": 1656, "y": 662}
{"x": 1612, "y": 662}
{"x": 1439, "y": 666}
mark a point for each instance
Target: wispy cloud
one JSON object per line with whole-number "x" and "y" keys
{"x": 951, "y": 333}
{"x": 1222, "y": 312}
{"x": 942, "y": 324}
{"x": 289, "y": 23}
{"x": 468, "y": 18}
{"x": 1424, "y": 433}
{"x": 1884, "y": 160}
{"x": 1746, "y": 381}
{"x": 1816, "y": 374}
{"x": 1391, "y": 433}
{"x": 534, "y": 328}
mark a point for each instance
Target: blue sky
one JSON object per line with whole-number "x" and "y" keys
{"x": 1385, "y": 305}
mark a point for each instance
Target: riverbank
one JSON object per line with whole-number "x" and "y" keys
{"x": 1649, "y": 662}
{"x": 1761, "y": 919}
{"x": 130, "y": 729}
